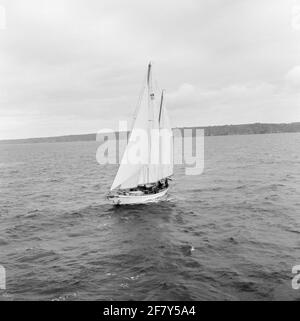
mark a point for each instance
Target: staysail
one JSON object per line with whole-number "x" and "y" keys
{"x": 166, "y": 141}
{"x": 148, "y": 157}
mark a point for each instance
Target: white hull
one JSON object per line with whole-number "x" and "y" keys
{"x": 137, "y": 199}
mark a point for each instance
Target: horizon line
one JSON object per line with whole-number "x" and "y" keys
{"x": 116, "y": 131}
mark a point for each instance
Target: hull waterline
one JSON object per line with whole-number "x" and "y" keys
{"x": 138, "y": 199}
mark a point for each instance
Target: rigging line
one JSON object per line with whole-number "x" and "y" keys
{"x": 139, "y": 101}
{"x": 155, "y": 85}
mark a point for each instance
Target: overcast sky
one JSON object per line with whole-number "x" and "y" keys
{"x": 76, "y": 66}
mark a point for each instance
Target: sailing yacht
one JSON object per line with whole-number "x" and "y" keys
{"x": 147, "y": 163}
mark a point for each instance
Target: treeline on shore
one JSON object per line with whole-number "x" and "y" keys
{"x": 248, "y": 129}
{"x": 244, "y": 129}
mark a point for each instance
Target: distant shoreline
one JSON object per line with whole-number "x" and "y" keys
{"x": 222, "y": 130}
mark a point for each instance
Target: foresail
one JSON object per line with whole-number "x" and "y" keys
{"x": 130, "y": 165}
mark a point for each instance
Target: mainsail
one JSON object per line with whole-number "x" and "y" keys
{"x": 148, "y": 156}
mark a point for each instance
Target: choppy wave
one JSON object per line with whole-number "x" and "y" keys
{"x": 229, "y": 234}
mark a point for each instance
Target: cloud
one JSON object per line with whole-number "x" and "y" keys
{"x": 262, "y": 102}
{"x": 189, "y": 95}
{"x": 293, "y": 77}
{"x": 85, "y": 60}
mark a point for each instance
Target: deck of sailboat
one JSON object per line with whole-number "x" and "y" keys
{"x": 134, "y": 198}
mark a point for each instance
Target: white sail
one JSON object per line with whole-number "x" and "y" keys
{"x": 154, "y": 141}
{"x": 148, "y": 157}
{"x": 129, "y": 170}
{"x": 166, "y": 144}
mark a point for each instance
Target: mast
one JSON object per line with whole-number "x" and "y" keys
{"x": 148, "y": 74}
{"x": 150, "y": 115}
{"x": 159, "y": 124}
{"x": 161, "y": 104}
